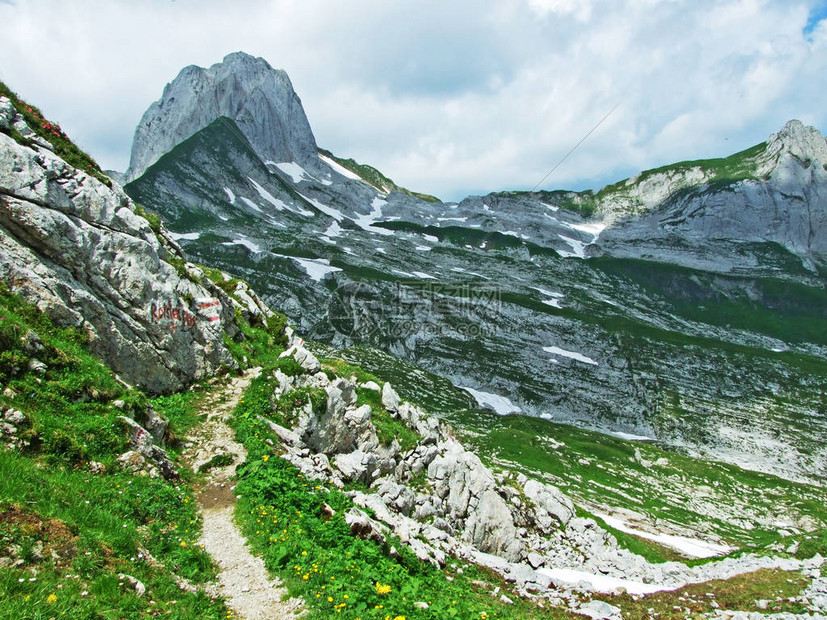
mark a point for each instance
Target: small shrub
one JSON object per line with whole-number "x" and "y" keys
{"x": 287, "y": 408}
{"x": 219, "y": 460}
{"x": 290, "y": 367}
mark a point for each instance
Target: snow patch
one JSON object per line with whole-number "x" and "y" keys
{"x": 337, "y": 167}
{"x": 366, "y": 222}
{"x": 550, "y": 207}
{"x": 599, "y": 583}
{"x": 253, "y": 247}
{"x": 630, "y": 436}
{"x": 547, "y": 293}
{"x": 499, "y": 404}
{"x": 333, "y": 231}
{"x": 230, "y": 195}
{"x": 293, "y": 170}
{"x": 431, "y": 238}
{"x": 423, "y": 248}
{"x": 316, "y": 268}
{"x": 334, "y": 213}
{"x": 185, "y": 236}
{"x": 570, "y": 354}
{"x": 691, "y": 547}
{"x": 278, "y": 204}
{"x": 424, "y": 276}
{"x": 593, "y": 228}
{"x": 578, "y": 248}
{"x": 251, "y": 204}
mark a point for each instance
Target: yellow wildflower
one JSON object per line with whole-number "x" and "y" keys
{"x": 51, "y": 599}
{"x": 382, "y": 588}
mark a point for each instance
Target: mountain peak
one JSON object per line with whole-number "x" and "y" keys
{"x": 243, "y": 58}
{"x": 244, "y": 88}
{"x": 803, "y": 142}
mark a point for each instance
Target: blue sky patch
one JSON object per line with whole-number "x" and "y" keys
{"x": 817, "y": 13}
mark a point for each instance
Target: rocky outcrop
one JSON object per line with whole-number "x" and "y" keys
{"x": 437, "y": 481}
{"x": 78, "y": 250}
{"x": 778, "y": 196}
{"x": 260, "y": 100}
{"x": 146, "y": 458}
{"x": 442, "y": 501}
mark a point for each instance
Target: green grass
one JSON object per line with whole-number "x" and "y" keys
{"x": 598, "y": 469}
{"x": 152, "y": 218}
{"x": 257, "y": 344}
{"x": 740, "y": 593}
{"x": 219, "y": 460}
{"x": 288, "y": 406}
{"x": 51, "y": 132}
{"x": 652, "y": 551}
{"x": 812, "y": 543}
{"x": 98, "y": 526}
{"x": 73, "y": 531}
{"x": 283, "y": 515}
{"x": 69, "y": 407}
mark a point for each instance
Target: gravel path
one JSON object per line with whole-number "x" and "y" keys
{"x": 250, "y": 592}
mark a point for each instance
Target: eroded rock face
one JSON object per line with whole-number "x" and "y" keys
{"x": 260, "y": 100}
{"x": 76, "y": 249}
{"x": 683, "y": 220}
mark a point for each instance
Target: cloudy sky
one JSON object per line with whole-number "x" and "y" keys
{"x": 448, "y": 97}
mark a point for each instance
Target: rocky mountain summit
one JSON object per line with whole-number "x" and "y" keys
{"x": 259, "y": 99}
{"x": 702, "y": 215}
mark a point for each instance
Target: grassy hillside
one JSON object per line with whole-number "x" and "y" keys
{"x": 374, "y": 177}
{"x": 71, "y": 522}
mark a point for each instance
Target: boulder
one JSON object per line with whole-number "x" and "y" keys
{"x": 549, "y": 501}
{"x": 355, "y": 466}
{"x": 153, "y": 460}
{"x": 157, "y": 425}
{"x": 303, "y": 357}
{"x": 362, "y": 526}
{"x": 535, "y": 560}
{"x": 390, "y": 399}
{"x": 599, "y": 610}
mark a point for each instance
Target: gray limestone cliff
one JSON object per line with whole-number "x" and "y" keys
{"x": 772, "y": 193}
{"x": 78, "y": 250}
{"x": 260, "y": 100}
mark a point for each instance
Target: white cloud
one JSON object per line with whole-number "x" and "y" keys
{"x": 447, "y": 98}
{"x": 580, "y": 9}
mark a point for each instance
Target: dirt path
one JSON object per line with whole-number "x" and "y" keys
{"x": 250, "y": 592}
